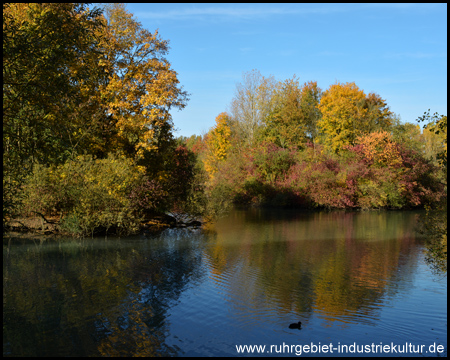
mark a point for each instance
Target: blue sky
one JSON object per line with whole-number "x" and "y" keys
{"x": 398, "y": 51}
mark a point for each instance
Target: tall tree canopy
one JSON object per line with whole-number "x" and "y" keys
{"x": 142, "y": 87}
{"x": 348, "y": 113}
{"x": 49, "y": 64}
{"x": 68, "y": 70}
{"x": 252, "y": 103}
{"x": 294, "y": 113}
{"x": 83, "y": 81}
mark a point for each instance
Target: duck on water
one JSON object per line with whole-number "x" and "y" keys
{"x": 296, "y": 325}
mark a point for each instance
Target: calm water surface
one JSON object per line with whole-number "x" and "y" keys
{"x": 350, "y": 278}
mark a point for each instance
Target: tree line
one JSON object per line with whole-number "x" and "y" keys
{"x": 291, "y": 144}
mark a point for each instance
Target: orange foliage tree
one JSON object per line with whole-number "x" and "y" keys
{"x": 380, "y": 148}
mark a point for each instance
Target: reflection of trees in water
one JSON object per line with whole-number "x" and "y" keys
{"x": 433, "y": 224}
{"x": 337, "y": 264}
{"x": 96, "y": 299}
{"x": 161, "y": 276}
{"x": 112, "y": 297}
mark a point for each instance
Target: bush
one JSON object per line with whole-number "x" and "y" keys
{"x": 149, "y": 196}
{"x": 89, "y": 195}
{"x": 272, "y": 162}
{"x": 397, "y": 178}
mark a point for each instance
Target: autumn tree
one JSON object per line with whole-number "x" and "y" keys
{"x": 195, "y": 144}
{"x": 252, "y": 103}
{"x": 294, "y": 114}
{"x": 408, "y": 134}
{"x": 283, "y": 126}
{"x": 380, "y": 149}
{"x": 77, "y": 82}
{"x": 348, "y": 113}
{"x": 217, "y": 144}
{"x": 435, "y": 132}
{"x": 310, "y": 100}
{"x": 375, "y": 114}
{"x": 435, "y": 135}
{"x": 142, "y": 87}
{"x": 434, "y": 143}
{"x": 434, "y": 223}
{"x": 49, "y": 62}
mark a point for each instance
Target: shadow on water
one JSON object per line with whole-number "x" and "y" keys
{"x": 95, "y": 296}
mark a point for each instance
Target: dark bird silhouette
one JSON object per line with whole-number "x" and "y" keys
{"x": 296, "y": 325}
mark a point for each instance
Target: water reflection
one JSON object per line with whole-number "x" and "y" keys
{"x": 94, "y": 297}
{"x": 334, "y": 264}
{"x": 186, "y": 292}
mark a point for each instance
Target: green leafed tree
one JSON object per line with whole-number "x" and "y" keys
{"x": 436, "y": 134}
{"x": 310, "y": 100}
{"x": 49, "y": 60}
{"x": 49, "y": 64}
{"x": 408, "y": 134}
{"x": 434, "y": 222}
{"x": 294, "y": 114}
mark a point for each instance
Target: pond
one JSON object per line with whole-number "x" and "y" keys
{"x": 357, "y": 281}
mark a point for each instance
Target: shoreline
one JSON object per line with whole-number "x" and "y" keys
{"x": 50, "y": 226}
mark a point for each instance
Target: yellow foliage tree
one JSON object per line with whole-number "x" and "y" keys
{"x": 217, "y": 144}
{"x": 142, "y": 87}
{"x": 348, "y": 113}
